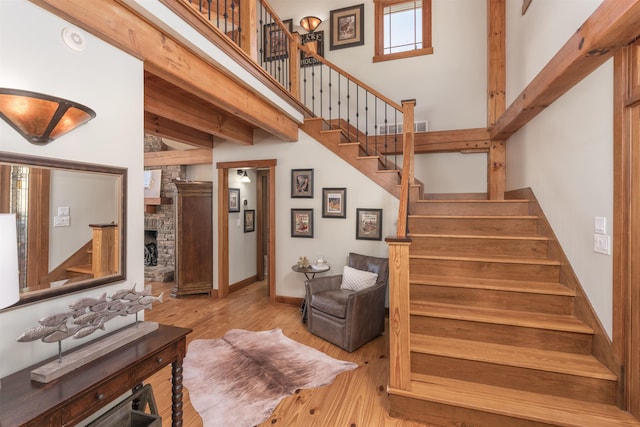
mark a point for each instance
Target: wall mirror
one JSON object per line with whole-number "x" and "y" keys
{"x": 71, "y": 220}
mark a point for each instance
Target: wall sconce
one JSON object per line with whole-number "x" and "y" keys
{"x": 245, "y": 177}
{"x": 41, "y": 118}
{"x": 310, "y": 23}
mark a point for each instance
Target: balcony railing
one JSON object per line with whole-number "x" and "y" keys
{"x": 361, "y": 113}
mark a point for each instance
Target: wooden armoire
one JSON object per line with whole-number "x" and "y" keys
{"x": 194, "y": 238}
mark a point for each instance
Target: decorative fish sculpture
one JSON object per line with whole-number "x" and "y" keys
{"x": 88, "y": 302}
{"x": 136, "y": 307}
{"x": 38, "y": 332}
{"x": 134, "y": 295}
{"x": 88, "y": 330}
{"x": 89, "y": 317}
{"x": 122, "y": 292}
{"x": 61, "y": 335}
{"x": 56, "y": 319}
{"x": 150, "y": 299}
{"x": 116, "y": 306}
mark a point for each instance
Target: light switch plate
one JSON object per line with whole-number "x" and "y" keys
{"x": 63, "y": 211}
{"x": 602, "y": 244}
{"x": 601, "y": 225}
{"x": 61, "y": 221}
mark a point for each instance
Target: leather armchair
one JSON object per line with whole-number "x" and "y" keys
{"x": 346, "y": 318}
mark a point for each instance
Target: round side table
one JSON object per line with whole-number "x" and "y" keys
{"x": 309, "y": 272}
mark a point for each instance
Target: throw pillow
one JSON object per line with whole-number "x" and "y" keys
{"x": 356, "y": 280}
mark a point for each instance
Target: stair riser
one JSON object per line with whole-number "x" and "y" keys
{"x": 437, "y": 414}
{"x": 490, "y": 298}
{"x": 453, "y": 246}
{"x": 552, "y": 383}
{"x": 488, "y": 270}
{"x": 544, "y": 339}
{"x": 470, "y": 208}
{"x": 476, "y": 226}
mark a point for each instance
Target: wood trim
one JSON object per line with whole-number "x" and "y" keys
{"x": 442, "y": 141}
{"x": 38, "y": 228}
{"x": 272, "y": 233}
{"x": 496, "y": 170}
{"x": 5, "y": 193}
{"x": 612, "y": 25}
{"x": 178, "y": 157}
{"x": 223, "y": 233}
{"x": 496, "y": 61}
{"x": 626, "y": 224}
{"x": 166, "y": 128}
{"x": 235, "y": 287}
{"x": 170, "y": 60}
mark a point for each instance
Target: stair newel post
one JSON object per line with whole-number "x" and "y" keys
{"x": 407, "y": 177}
{"x": 248, "y": 37}
{"x": 294, "y": 66}
{"x": 399, "y": 334}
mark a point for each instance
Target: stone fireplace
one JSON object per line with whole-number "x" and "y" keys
{"x": 160, "y": 225}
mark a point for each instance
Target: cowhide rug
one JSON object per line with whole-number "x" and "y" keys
{"x": 239, "y": 379}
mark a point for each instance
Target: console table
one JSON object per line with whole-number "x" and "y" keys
{"x": 78, "y": 394}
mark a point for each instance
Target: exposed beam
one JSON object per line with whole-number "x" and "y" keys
{"x": 178, "y": 157}
{"x": 159, "y": 126}
{"x": 167, "y": 58}
{"x": 443, "y": 141}
{"x": 613, "y": 25}
{"x": 179, "y": 106}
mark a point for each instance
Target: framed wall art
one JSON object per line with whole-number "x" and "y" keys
{"x": 368, "y": 224}
{"x": 249, "y": 220}
{"x": 347, "y": 27}
{"x": 234, "y": 200}
{"x": 315, "y": 42}
{"x": 275, "y": 41}
{"x": 302, "y": 183}
{"x": 334, "y": 203}
{"x": 301, "y": 222}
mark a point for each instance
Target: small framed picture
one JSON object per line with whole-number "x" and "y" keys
{"x": 334, "y": 203}
{"x": 234, "y": 200}
{"x": 368, "y": 224}
{"x": 249, "y": 220}
{"x": 347, "y": 27}
{"x": 276, "y": 43}
{"x": 301, "y": 222}
{"x": 302, "y": 183}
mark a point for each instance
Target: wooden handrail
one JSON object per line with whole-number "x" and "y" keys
{"x": 407, "y": 178}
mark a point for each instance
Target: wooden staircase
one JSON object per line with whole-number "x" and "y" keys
{"x": 495, "y": 339}
{"x": 370, "y": 164}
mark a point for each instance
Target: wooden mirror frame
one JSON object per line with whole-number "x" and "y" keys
{"x": 121, "y": 173}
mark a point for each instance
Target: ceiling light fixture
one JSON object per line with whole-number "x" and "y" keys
{"x": 310, "y": 23}
{"x": 41, "y": 118}
{"x": 243, "y": 174}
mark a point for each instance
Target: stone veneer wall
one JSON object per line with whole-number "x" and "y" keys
{"x": 163, "y": 220}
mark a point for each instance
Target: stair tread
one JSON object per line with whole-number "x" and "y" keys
{"x": 523, "y": 357}
{"x": 515, "y": 403}
{"x": 492, "y": 258}
{"x": 501, "y": 217}
{"x": 478, "y": 236}
{"x": 472, "y": 201}
{"x": 81, "y": 268}
{"x": 504, "y": 317}
{"x": 532, "y": 287}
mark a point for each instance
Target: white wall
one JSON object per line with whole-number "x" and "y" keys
{"x": 333, "y": 238}
{"x": 35, "y": 58}
{"x": 565, "y": 154}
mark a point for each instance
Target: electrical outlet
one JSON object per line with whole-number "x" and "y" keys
{"x": 602, "y": 244}
{"x": 601, "y": 225}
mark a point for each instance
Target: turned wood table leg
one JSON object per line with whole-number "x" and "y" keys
{"x": 176, "y": 393}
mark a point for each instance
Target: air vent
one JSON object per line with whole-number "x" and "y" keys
{"x": 387, "y": 129}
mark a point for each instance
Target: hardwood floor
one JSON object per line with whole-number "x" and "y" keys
{"x": 356, "y": 398}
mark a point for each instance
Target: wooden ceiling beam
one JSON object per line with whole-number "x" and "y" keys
{"x": 167, "y": 58}
{"x": 614, "y": 24}
{"x": 165, "y": 128}
{"x": 444, "y": 141}
{"x": 178, "y": 106}
{"x": 178, "y": 157}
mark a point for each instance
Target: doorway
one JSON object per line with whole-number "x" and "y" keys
{"x": 265, "y": 222}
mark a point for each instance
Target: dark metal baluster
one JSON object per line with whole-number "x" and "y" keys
{"x": 226, "y": 17}
{"x": 321, "y": 84}
{"x": 239, "y": 6}
{"x": 387, "y": 126}
{"x": 358, "y": 110}
{"x": 366, "y": 120}
{"x": 330, "y": 100}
